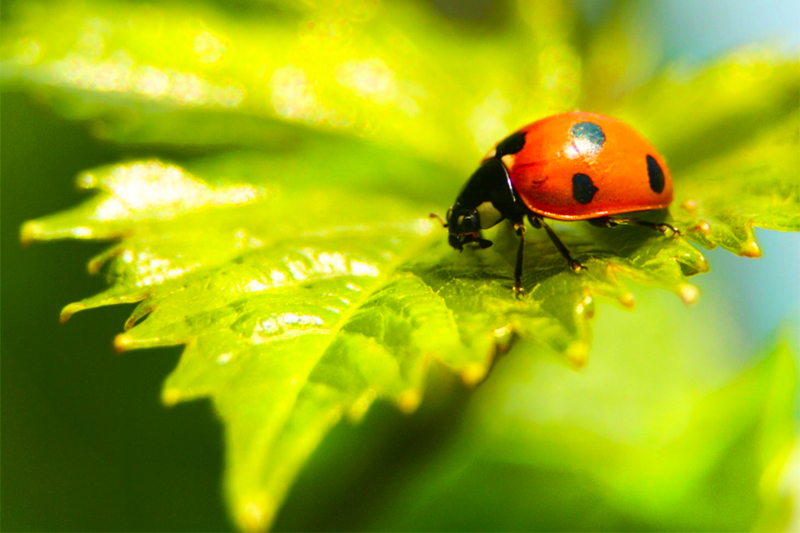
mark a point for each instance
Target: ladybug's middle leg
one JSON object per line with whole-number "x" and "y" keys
{"x": 608, "y": 222}
{"x": 573, "y": 263}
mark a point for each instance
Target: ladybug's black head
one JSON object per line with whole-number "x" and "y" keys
{"x": 464, "y": 226}
{"x": 487, "y": 198}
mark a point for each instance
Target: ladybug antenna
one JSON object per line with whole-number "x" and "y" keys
{"x": 437, "y": 217}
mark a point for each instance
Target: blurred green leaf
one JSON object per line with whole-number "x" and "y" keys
{"x": 639, "y": 443}
{"x": 695, "y": 115}
{"x": 305, "y": 278}
{"x": 391, "y": 72}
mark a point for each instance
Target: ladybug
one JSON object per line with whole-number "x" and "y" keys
{"x": 570, "y": 166}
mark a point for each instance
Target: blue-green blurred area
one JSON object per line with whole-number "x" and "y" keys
{"x": 659, "y": 431}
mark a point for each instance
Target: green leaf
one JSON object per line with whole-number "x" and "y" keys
{"x": 306, "y": 279}
{"x": 299, "y": 307}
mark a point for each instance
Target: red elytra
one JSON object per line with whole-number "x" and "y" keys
{"x": 623, "y": 171}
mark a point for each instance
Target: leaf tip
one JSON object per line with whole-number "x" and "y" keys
{"x": 503, "y": 335}
{"x": 473, "y": 373}
{"x": 703, "y": 228}
{"x": 70, "y": 310}
{"x": 702, "y": 264}
{"x": 129, "y": 323}
{"x": 362, "y": 405}
{"x": 751, "y": 249}
{"x": 689, "y": 205}
{"x": 29, "y": 232}
{"x": 171, "y": 396}
{"x": 138, "y": 314}
{"x": 627, "y": 299}
{"x": 257, "y": 514}
{"x": 87, "y": 181}
{"x": 409, "y": 400}
{"x": 688, "y": 293}
{"x": 123, "y": 342}
{"x": 585, "y": 307}
{"x": 97, "y": 262}
{"x": 577, "y": 353}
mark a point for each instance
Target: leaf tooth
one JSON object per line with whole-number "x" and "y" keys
{"x": 750, "y": 248}
{"x": 256, "y": 513}
{"x": 627, "y": 299}
{"x": 123, "y": 342}
{"x": 88, "y": 180}
{"x": 171, "y": 396}
{"x": 409, "y": 400}
{"x": 503, "y": 335}
{"x": 699, "y": 230}
{"x": 115, "y": 295}
{"x": 131, "y": 340}
{"x": 139, "y": 313}
{"x": 30, "y": 232}
{"x": 58, "y": 226}
{"x": 702, "y": 227}
{"x": 689, "y": 205}
{"x": 361, "y": 405}
{"x": 743, "y": 239}
{"x": 606, "y": 282}
{"x": 689, "y": 293}
{"x": 97, "y": 262}
{"x": 616, "y": 290}
{"x": 69, "y": 310}
{"x": 585, "y": 307}
{"x": 474, "y": 373}
{"x": 577, "y": 353}
{"x": 689, "y": 258}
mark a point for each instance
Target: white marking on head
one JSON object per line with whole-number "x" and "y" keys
{"x": 488, "y": 215}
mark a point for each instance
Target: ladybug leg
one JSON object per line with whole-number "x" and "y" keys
{"x": 519, "y": 229}
{"x": 573, "y": 263}
{"x": 608, "y": 222}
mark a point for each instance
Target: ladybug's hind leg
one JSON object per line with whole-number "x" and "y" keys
{"x": 573, "y": 263}
{"x": 608, "y": 222}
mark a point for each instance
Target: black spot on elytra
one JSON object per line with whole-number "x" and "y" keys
{"x": 511, "y": 144}
{"x": 583, "y": 188}
{"x": 655, "y": 174}
{"x": 588, "y": 135}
